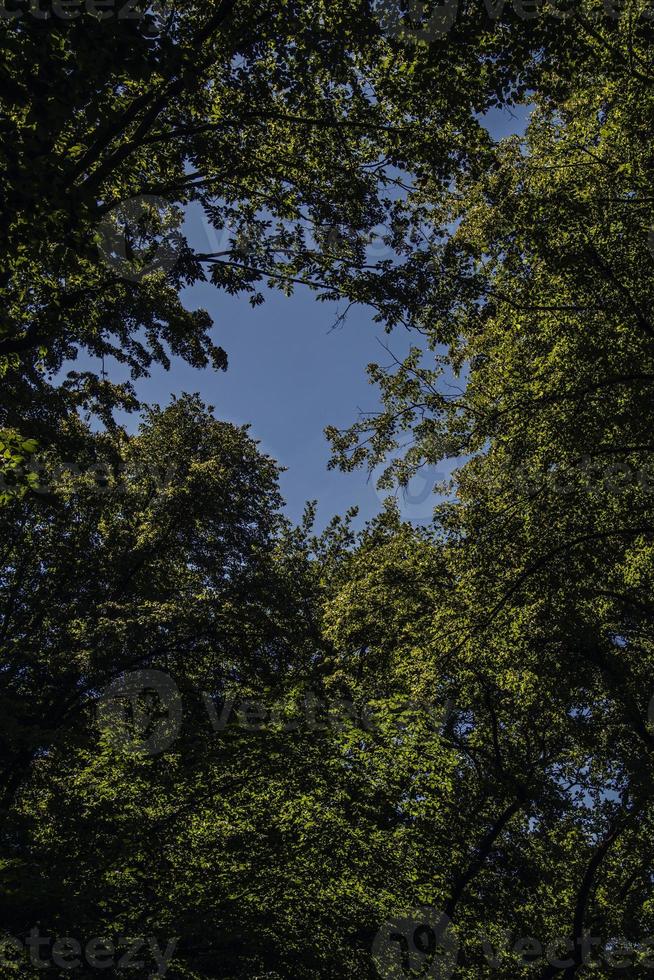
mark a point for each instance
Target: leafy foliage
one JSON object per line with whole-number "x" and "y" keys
{"x": 454, "y": 717}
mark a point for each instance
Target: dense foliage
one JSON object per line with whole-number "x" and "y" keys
{"x": 256, "y": 751}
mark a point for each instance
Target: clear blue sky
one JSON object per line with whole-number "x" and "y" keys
{"x": 290, "y": 374}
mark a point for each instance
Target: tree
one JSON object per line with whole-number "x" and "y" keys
{"x": 257, "y": 838}
{"x": 546, "y": 631}
{"x": 296, "y": 130}
{"x": 515, "y": 801}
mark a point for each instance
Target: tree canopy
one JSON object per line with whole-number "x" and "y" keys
{"x": 263, "y": 751}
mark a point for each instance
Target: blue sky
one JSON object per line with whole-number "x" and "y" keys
{"x": 291, "y": 374}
